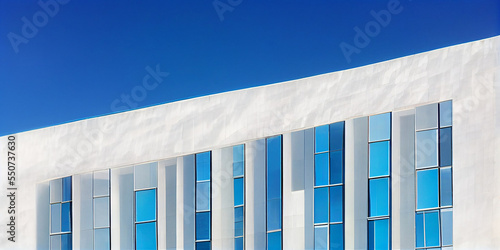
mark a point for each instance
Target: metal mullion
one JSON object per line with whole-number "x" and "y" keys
{"x": 144, "y": 189}
{"x": 427, "y": 209}
{"x": 273, "y": 231}
{"x": 383, "y": 217}
{"x": 378, "y": 140}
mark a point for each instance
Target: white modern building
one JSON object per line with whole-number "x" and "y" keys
{"x": 402, "y": 154}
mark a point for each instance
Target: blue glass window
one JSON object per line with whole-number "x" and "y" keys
{"x": 445, "y": 155}
{"x": 427, "y": 116}
{"x": 432, "y": 229}
{"x": 427, "y": 150}
{"x": 380, "y": 127}
{"x": 101, "y": 212}
{"x": 238, "y": 243}
{"x": 427, "y": 189}
{"x": 66, "y": 191}
{"x": 336, "y": 136}
{"x": 336, "y": 167}
{"x": 378, "y": 234}
{"x": 145, "y": 201}
{"x": 102, "y": 239}
{"x": 419, "y": 227}
{"x": 66, "y": 242}
{"x": 203, "y": 166}
{"x": 336, "y": 237}
{"x": 336, "y": 213}
{"x": 203, "y": 196}
{"x": 321, "y": 205}
{"x": 447, "y": 226}
{"x": 379, "y": 197}
{"x": 445, "y": 114}
{"x": 273, "y": 214}
{"x": 203, "y": 226}
{"x": 274, "y": 241}
{"x": 238, "y": 191}
{"x": 321, "y": 139}
{"x": 55, "y": 218}
{"x": 238, "y": 220}
{"x": 446, "y": 187}
{"x": 66, "y": 217}
{"x": 274, "y": 183}
{"x": 321, "y": 169}
{"x": 380, "y": 158}
{"x": 238, "y": 160}
{"x": 55, "y": 242}
{"x": 145, "y": 236}
{"x": 321, "y": 237}
{"x": 203, "y": 245}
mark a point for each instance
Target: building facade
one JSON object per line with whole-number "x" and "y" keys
{"x": 402, "y": 154}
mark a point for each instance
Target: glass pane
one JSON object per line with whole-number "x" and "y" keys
{"x": 378, "y": 234}
{"x": 446, "y": 187}
{"x": 203, "y": 226}
{"x": 445, "y": 114}
{"x": 238, "y": 214}
{"x": 66, "y": 243}
{"x": 55, "y": 242}
{"x": 238, "y": 243}
{"x": 321, "y": 139}
{"x": 56, "y": 190}
{"x": 101, "y": 212}
{"x": 203, "y": 245}
{"x": 447, "y": 226}
{"x": 427, "y": 155}
{"x": 336, "y": 136}
{"x": 336, "y": 167}
{"x": 380, "y": 127}
{"x": 336, "y": 237}
{"x": 380, "y": 158}
{"x": 445, "y": 153}
{"x": 274, "y": 167}
{"x": 321, "y": 169}
{"x": 419, "y": 229}
{"x": 427, "y": 116}
{"x": 101, "y": 183}
{"x": 145, "y": 236}
{"x": 432, "y": 229}
{"x": 239, "y": 153}
{"x": 336, "y": 205}
{"x": 203, "y": 166}
{"x": 66, "y": 189}
{"x": 273, "y": 214}
{"x": 146, "y": 175}
{"x": 321, "y": 237}
{"x": 66, "y": 217}
{"x": 101, "y": 239}
{"x": 202, "y": 196}
{"x": 238, "y": 229}
{"x": 274, "y": 241}
{"x": 55, "y": 218}
{"x": 238, "y": 169}
{"x": 239, "y": 189}
{"x": 379, "y": 197}
{"x": 321, "y": 205}
{"x": 427, "y": 189}
{"x": 145, "y": 205}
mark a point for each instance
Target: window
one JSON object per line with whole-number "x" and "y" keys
{"x": 203, "y": 214}
{"x": 274, "y": 192}
{"x": 239, "y": 195}
{"x": 60, "y": 214}
{"x": 328, "y": 187}
{"x": 102, "y": 233}
{"x": 379, "y": 182}
{"x": 145, "y": 186}
{"x": 434, "y": 196}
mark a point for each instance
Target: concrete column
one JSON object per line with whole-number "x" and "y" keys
{"x": 122, "y": 208}
{"x": 185, "y": 202}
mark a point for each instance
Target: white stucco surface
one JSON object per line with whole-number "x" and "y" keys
{"x": 468, "y": 74}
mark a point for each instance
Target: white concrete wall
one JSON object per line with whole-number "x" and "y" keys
{"x": 467, "y": 73}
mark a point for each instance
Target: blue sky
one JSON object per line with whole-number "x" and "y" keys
{"x": 70, "y": 60}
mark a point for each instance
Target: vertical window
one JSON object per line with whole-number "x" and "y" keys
{"x": 145, "y": 185}
{"x": 203, "y": 201}
{"x": 102, "y": 234}
{"x": 239, "y": 195}
{"x": 328, "y": 187}
{"x": 274, "y": 192}
{"x": 434, "y": 196}
{"x": 60, "y": 214}
{"x": 379, "y": 182}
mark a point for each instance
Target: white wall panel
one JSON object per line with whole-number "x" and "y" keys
{"x": 122, "y": 208}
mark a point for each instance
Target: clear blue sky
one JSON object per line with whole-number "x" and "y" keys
{"x": 71, "y": 61}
